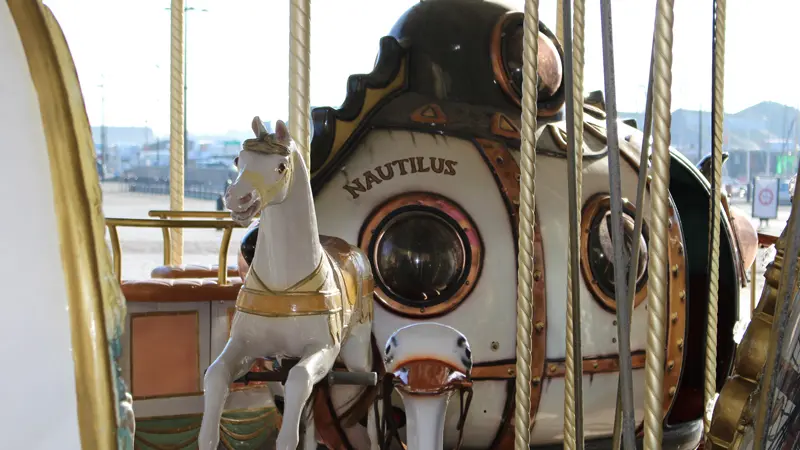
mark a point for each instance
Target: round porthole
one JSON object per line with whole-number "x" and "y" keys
{"x": 597, "y": 251}
{"x": 425, "y": 252}
{"x": 506, "y": 50}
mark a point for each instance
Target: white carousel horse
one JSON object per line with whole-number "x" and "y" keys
{"x": 429, "y": 361}
{"x": 300, "y": 298}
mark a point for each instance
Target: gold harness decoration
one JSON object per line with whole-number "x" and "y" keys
{"x": 301, "y": 299}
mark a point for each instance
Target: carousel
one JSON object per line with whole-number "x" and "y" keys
{"x": 403, "y": 281}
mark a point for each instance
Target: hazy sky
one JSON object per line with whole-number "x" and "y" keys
{"x": 238, "y": 54}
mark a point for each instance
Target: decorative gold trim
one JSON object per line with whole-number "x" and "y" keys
{"x": 591, "y": 209}
{"x": 474, "y": 245}
{"x": 285, "y": 305}
{"x": 430, "y": 113}
{"x": 505, "y": 370}
{"x": 194, "y": 312}
{"x": 345, "y": 128}
{"x": 95, "y": 306}
{"x": 734, "y": 409}
{"x": 504, "y": 127}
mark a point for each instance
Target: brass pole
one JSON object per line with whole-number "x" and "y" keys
{"x": 522, "y": 396}
{"x": 718, "y": 89}
{"x": 299, "y": 76}
{"x": 657, "y": 267}
{"x": 573, "y": 81}
{"x": 177, "y": 126}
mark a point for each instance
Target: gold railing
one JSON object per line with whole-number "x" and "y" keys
{"x": 186, "y": 219}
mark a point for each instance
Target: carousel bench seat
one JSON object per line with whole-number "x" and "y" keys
{"x": 191, "y": 271}
{"x": 180, "y": 290}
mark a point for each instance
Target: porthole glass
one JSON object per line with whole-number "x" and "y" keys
{"x": 425, "y": 252}
{"x": 597, "y": 251}
{"x": 420, "y": 257}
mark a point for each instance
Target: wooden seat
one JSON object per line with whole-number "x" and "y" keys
{"x": 180, "y": 290}
{"x": 191, "y": 271}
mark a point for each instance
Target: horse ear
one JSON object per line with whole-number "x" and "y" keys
{"x": 258, "y": 128}
{"x": 281, "y": 132}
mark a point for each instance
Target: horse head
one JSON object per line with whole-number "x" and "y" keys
{"x": 429, "y": 362}
{"x": 266, "y": 165}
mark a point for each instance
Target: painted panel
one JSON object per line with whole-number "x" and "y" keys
{"x": 165, "y": 354}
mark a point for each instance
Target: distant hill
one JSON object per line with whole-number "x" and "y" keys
{"x": 765, "y": 126}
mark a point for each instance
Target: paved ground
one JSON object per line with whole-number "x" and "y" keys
{"x": 142, "y": 248}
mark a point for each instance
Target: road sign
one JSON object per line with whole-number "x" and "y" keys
{"x": 765, "y": 200}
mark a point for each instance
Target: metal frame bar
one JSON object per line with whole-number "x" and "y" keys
{"x": 522, "y": 396}
{"x": 621, "y": 258}
{"x": 573, "y": 380}
{"x": 166, "y": 225}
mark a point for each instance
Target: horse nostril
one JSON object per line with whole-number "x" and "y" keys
{"x": 246, "y": 198}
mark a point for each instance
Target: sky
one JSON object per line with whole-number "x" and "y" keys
{"x": 238, "y": 59}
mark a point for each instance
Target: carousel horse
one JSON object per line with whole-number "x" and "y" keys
{"x": 426, "y": 376}
{"x": 303, "y": 297}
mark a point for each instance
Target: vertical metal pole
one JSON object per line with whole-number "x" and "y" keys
{"x": 176, "y": 138}
{"x": 522, "y": 396}
{"x": 638, "y": 225}
{"x": 560, "y": 21}
{"x": 573, "y": 379}
{"x": 657, "y": 267}
{"x": 300, "y": 76}
{"x": 621, "y": 259}
{"x": 717, "y": 113}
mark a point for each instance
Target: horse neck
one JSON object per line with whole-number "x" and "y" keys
{"x": 288, "y": 247}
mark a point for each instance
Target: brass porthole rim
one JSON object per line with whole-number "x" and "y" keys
{"x": 589, "y": 213}
{"x": 442, "y": 205}
{"x": 545, "y": 108}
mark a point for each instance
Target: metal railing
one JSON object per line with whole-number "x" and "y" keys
{"x": 167, "y": 220}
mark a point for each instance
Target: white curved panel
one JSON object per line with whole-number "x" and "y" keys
{"x": 38, "y": 381}
{"x": 598, "y": 331}
{"x": 488, "y": 314}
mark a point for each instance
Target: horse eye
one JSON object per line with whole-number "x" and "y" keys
{"x": 281, "y": 168}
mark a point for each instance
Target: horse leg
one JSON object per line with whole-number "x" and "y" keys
{"x": 312, "y": 368}
{"x": 232, "y": 363}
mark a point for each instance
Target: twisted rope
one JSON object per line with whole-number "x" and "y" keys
{"x": 526, "y": 222}
{"x": 299, "y": 76}
{"x": 657, "y": 268}
{"x": 573, "y": 429}
{"x": 718, "y": 81}
{"x": 176, "y": 127}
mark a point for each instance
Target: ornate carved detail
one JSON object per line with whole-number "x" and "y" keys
{"x": 431, "y": 113}
{"x": 336, "y": 129}
{"x": 504, "y": 127}
{"x": 733, "y": 412}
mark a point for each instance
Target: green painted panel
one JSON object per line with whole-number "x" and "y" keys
{"x": 252, "y": 429}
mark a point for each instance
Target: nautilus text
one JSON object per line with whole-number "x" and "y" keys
{"x": 400, "y": 167}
